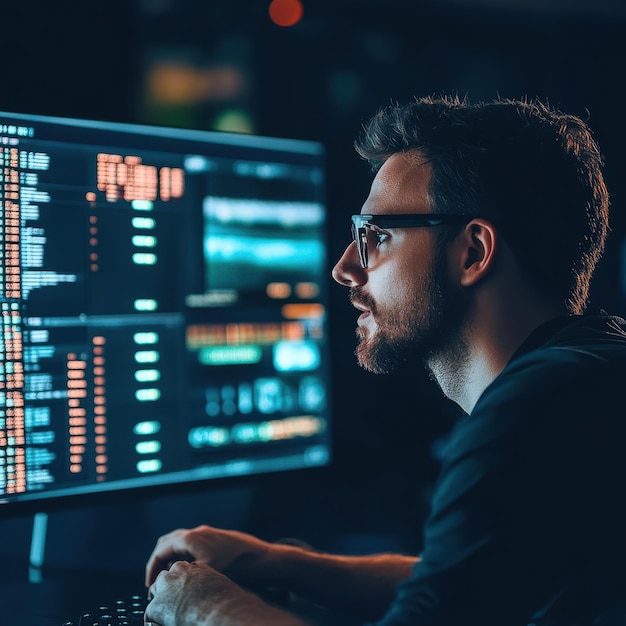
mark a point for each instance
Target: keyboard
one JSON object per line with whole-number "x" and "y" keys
{"x": 127, "y": 612}
{"x": 131, "y": 612}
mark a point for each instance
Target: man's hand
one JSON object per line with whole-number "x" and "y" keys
{"x": 227, "y": 551}
{"x": 194, "y": 594}
{"x": 363, "y": 586}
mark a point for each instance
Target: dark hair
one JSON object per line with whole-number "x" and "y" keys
{"x": 533, "y": 170}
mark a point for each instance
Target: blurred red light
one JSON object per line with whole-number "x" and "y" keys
{"x": 286, "y": 12}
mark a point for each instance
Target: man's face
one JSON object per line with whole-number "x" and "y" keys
{"x": 410, "y": 311}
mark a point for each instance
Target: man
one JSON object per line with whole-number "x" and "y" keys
{"x": 472, "y": 256}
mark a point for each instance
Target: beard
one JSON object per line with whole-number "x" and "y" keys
{"x": 423, "y": 330}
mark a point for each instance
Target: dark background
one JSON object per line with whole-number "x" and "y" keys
{"x": 199, "y": 64}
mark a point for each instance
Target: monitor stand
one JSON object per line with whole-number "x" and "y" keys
{"x": 37, "y": 547}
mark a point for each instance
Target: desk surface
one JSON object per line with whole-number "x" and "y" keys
{"x": 61, "y": 595}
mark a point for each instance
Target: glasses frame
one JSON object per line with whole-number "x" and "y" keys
{"x": 361, "y": 222}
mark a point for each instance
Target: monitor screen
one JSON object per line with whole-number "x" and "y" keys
{"x": 164, "y": 306}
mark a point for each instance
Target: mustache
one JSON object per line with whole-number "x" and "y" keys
{"x": 358, "y": 296}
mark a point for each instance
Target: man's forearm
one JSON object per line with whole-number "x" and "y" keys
{"x": 243, "y": 608}
{"x": 363, "y": 586}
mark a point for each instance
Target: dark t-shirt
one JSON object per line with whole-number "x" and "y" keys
{"x": 528, "y": 515}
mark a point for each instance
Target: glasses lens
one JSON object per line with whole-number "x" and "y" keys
{"x": 360, "y": 238}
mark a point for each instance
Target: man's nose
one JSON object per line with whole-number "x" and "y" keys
{"x": 348, "y": 271}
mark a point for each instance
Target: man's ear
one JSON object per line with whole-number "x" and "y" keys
{"x": 478, "y": 243}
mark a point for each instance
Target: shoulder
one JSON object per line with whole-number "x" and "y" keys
{"x": 585, "y": 355}
{"x": 547, "y": 392}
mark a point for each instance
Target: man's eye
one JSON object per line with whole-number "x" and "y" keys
{"x": 380, "y": 237}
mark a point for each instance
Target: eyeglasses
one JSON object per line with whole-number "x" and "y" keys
{"x": 367, "y": 233}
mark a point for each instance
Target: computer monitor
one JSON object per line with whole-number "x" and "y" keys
{"x": 164, "y": 307}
